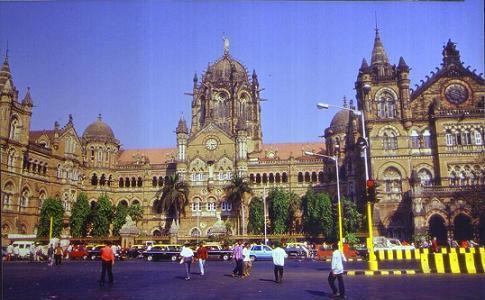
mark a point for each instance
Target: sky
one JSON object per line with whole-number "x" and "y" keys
{"x": 132, "y": 61}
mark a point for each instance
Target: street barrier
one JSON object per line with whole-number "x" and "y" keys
{"x": 453, "y": 262}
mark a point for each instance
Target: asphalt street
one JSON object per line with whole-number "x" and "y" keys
{"x": 138, "y": 279}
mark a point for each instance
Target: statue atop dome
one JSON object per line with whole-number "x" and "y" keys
{"x": 226, "y": 45}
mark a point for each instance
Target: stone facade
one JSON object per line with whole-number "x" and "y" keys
{"x": 425, "y": 146}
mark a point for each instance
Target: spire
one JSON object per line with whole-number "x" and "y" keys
{"x": 345, "y": 101}
{"x": 99, "y": 117}
{"x": 402, "y": 66}
{"x": 5, "y": 73}
{"x": 451, "y": 56}
{"x": 255, "y": 77}
{"x": 182, "y": 126}
{"x": 379, "y": 55}
{"x": 196, "y": 79}
{"x": 364, "y": 64}
{"x": 27, "y": 99}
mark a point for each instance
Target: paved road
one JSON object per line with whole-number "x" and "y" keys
{"x": 165, "y": 280}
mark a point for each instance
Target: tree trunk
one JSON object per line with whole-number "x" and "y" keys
{"x": 243, "y": 223}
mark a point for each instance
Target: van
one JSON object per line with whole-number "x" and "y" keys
{"x": 24, "y": 248}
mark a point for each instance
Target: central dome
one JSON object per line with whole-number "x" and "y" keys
{"x": 99, "y": 130}
{"x": 340, "y": 121}
{"x": 227, "y": 69}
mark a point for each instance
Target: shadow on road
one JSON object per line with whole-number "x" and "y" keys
{"x": 270, "y": 280}
{"x": 316, "y": 293}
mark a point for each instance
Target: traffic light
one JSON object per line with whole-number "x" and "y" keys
{"x": 371, "y": 190}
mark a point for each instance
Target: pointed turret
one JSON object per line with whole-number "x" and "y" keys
{"x": 5, "y": 73}
{"x": 379, "y": 55}
{"x": 182, "y": 126}
{"x": 27, "y": 101}
{"x": 196, "y": 79}
{"x": 451, "y": 56}
{"x": 402, "y": 66}
{"x": 364, "y": 66}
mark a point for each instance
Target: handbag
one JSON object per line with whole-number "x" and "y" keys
{"x": 181, "y": 261}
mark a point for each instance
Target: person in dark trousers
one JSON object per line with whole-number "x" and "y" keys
{"x": 336, "y": 273}
{"x": 238, "y": 257}
{"x": 279, "y": 256}
{"x": 107, "y": 262}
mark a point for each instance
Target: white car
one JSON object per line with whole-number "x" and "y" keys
{"x": 383, "y": 243}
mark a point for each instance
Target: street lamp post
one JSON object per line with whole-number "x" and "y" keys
{"x": 340, "y": 230}
{"x": 373, "y": 266}
{"x": 264, "y": 215}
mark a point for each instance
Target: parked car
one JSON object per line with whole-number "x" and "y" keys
{"x": 135, "y": 251}
{"x": 296, "y": 251}
{"x": 79, "y": 252}
{"x": 261, "y": 252}
{"x": 384, "y": 243}
{"x": 24, "y": 248}
{"x": 94, "y": 252}
{"x": 217, "y": 252}
{"x": 163, "y": 252}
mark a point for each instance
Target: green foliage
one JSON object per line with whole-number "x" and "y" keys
{"x": 256, "y": 216}
{"x": 236, "y": 193}
{"x": 78, "y": 222}
{"x": 351, "y": 239}
{"x": 119, "y": 218}
{"x": 136, "y": 212}
{"x": 174, "y": 198}
{"x": 352, "y": 218}
{"x": 282, "y": 206}
{"x": 102, "y": 216}
{"x": 317, "y": 214}
{"x": 51, "y": 208}
{"x": 419, "y": 238}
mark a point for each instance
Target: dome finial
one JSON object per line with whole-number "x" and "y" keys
{"x": 226, "y": 44}
{"x": 99, "y": 117}
{"x": 345, "y": 101}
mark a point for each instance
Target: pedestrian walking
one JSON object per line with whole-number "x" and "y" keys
{"x": 187, "y": 256}
{"x": 50, "y": 255}
{"x": 247, "y": 260}
{"x": 279, "y": 256}
{"x": 58, "y": 254}
{"x": 10, "y": 252}
{"x": 68, "y": 250}
{"x": 238, "y": 258}
{"x": 336, "y": 272}
{"x": 107, "y": 262}
{"x": 32, "y": 252}
{"x": 202, "y": 254}
{"x": 434, "y": 246}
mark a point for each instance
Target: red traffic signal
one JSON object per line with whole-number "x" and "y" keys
{"x": 371, "y": 184}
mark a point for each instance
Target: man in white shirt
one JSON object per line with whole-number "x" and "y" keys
{"x": 187, "y": 256}
{"x": 336, "y": 272}
{"x": 279, "y": 256}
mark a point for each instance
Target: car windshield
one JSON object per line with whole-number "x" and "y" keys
{"x": 266, "y": 248}
{"x": 256, "y": 248}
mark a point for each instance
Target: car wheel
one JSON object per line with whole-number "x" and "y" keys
{"x": 173, "y": 258}
{"x": 149, "y": 258}
{"x": 253, "y": 258}
{"x": 93, "y": 257}
{"x": 225, "y": 257}
{"x": 85, "y": 257}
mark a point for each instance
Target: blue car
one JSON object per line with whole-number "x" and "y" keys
{"x": 261, "y": 252}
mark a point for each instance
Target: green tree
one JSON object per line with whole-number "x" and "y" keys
{"x": 51, "y": 208}
{"x": 174, "y": 198}
{"x": 281, "y": 210}
{"x": 317, "y": 214}
{"x": 102, "y": 216}
{"x": 78, "y": 221}
{"x": 352, "y": 218}
{"x": 119, "y": 218}
{"x": 256, "y": 216}
{"x": 136, "y": 212}
{"x": 237, "y": 193}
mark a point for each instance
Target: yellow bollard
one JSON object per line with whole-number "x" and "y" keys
{"x": 417, "y": 253}
{"x": 444, "y": 250}
{"x": 381, "y": 254}
{"x": 454, "y": 265}
{"x": 425, "y": 263}
{"x": 399, "y": 254}
{"x": 482, "y": 259}
{"x": 390, "y": 255}
{"x": 438, "y": 260}
{"x": 452, "y": 250}
{"x": 470, "y": 263}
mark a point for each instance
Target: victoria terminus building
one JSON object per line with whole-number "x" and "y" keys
{"x": 425, "y": 150}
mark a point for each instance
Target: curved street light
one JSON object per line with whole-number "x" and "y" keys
{"x": 373, "y": 266}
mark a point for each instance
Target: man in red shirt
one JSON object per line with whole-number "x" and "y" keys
{"x": 202, "y": 255}
{"x": 107, "y": 261}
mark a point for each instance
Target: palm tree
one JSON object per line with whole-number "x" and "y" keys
{"x": 236, "y": 193}
{"x": 174, "y": 198}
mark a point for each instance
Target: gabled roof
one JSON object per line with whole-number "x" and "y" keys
{"x": 283, "y": 151}
{"x": 154, "y": 156}
{"x": 34, "y": 135}
{"x": 450, "y": 67}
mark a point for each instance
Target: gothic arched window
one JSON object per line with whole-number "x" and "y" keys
{"x": 386, "y": 105}
{"x": 15, "y": 129}
{"x": 393, "y": 180}
{"x": 389, "y": 140}
{"x": 425, "y": 177}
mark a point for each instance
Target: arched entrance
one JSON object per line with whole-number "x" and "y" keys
{"x": 463, "y": 228}
{"x": 437, "y": 229}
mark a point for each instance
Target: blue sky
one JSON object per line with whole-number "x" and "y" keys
{"x": 133, "y": 61}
